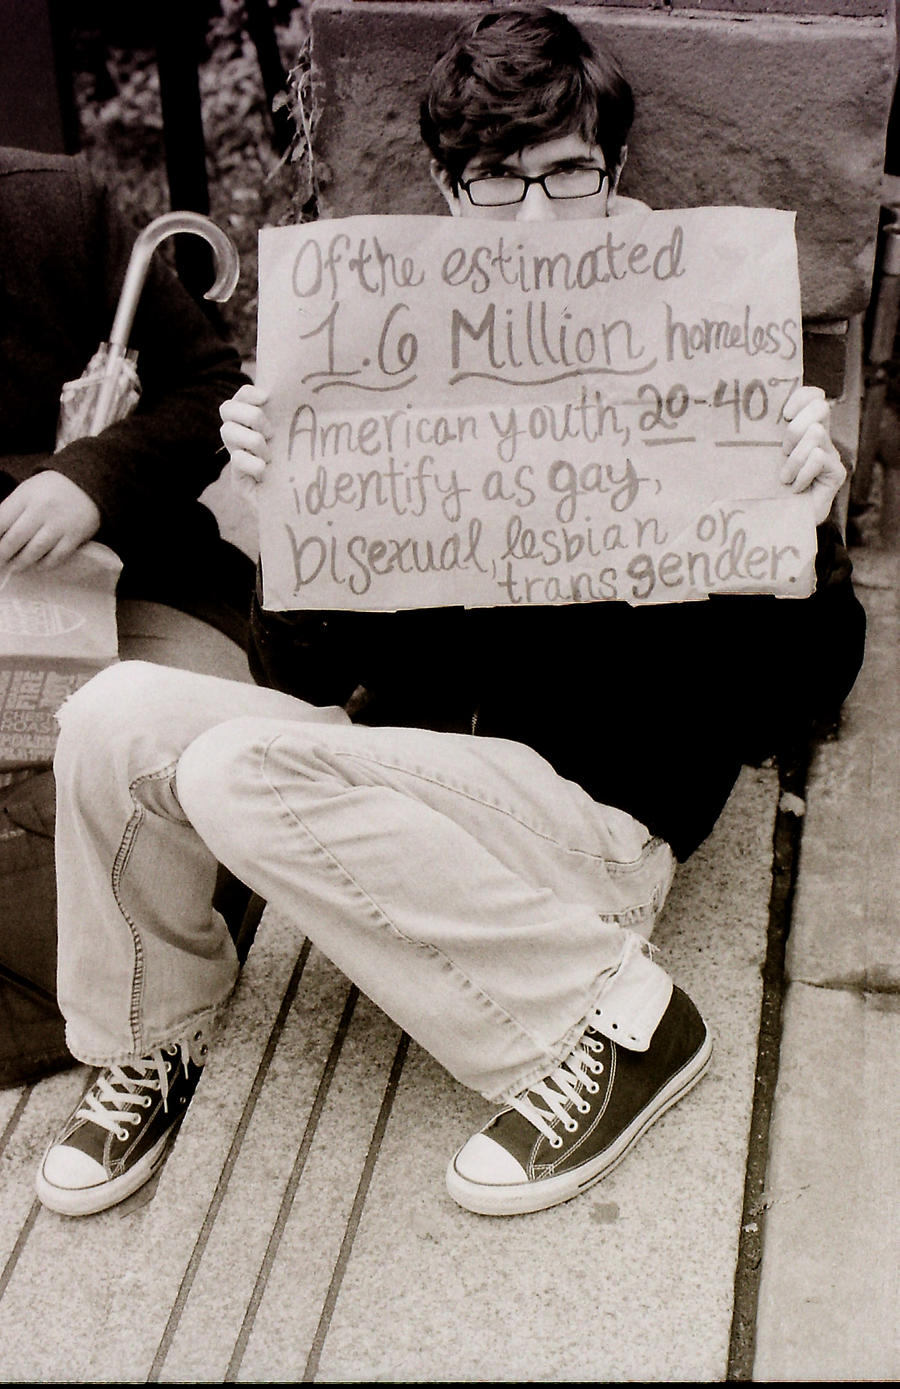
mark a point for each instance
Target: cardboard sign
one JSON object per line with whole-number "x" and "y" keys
{"x": 490, "y": 413}
{"x": 57, "y": 629}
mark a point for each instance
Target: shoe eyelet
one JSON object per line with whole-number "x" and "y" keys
{"x": 592, "y": 1087}
{"x": 583, "y": 1107}
{"x": 570, "y": 1125}
{"x": 556, "y": 1141}
{"x": 123, "y": 1135}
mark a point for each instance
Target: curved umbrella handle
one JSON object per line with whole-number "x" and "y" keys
{"x": 227, "y": 264}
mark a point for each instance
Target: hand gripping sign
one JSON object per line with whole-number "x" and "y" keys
{"x": 493, "y": 413}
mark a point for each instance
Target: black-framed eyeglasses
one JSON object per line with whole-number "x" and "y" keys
{"x": 501, "y": 190}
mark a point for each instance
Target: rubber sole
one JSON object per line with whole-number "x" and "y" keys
{"x": 522, "y": 1198}
{"x": 90, "y": 1200}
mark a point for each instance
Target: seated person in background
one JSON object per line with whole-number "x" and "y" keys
{"x": 476, "y": 814}
{"x": 135, "y": 487}
{"x": 63, "y": 255}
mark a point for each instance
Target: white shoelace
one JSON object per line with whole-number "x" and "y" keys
{"x": 553, "y": 1096}
{"x": 560, "y": 1089}
{"x": 111, "y": 1101}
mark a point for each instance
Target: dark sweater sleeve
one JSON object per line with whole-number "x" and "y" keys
{"x": 655, "y": 709}
{"x": 167, "y": 450}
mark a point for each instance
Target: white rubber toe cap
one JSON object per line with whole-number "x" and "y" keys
{"x": 71, "y": 1169}
{"x": 486, "y": 1162}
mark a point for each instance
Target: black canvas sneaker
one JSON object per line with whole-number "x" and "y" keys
{"x": 572, "y": 1128}
{"x": 117, "y": 1137}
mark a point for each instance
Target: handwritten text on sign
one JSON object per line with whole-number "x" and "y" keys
{"x": 492, "y": 413}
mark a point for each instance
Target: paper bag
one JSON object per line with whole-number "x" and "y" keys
{"x": 57, "y": 629}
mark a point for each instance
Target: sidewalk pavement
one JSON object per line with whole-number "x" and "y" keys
{"x": 830, "y": 1287}
{"x": 300, "y": 1229}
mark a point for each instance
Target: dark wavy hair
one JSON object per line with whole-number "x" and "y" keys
{"x": 518, "y": 77}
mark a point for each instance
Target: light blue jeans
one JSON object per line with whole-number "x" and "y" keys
{"x": 486, "y": 904}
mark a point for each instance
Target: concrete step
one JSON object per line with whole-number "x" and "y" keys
{"x": 829, "y": 1303}
{"x": 300, "y": 1228}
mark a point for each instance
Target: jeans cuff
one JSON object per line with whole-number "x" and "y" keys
{"x": 195, "y": 1035}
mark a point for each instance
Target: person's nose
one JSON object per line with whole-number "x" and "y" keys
{"x": 536, "y": 206}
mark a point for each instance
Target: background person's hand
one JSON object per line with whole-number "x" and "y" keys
{"x": 813, "y": 464}
{"x": 44, "y": 520}
{"x": 245, "y": 433}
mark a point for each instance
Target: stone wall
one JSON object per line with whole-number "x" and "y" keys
{"x": 779, "y": 103}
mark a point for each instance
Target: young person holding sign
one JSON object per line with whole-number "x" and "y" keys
{"x": 476, "y": 814}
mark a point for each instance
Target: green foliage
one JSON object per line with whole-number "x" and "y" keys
{"x": 251, "y": 184}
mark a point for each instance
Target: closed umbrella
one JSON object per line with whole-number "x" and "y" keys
{"x": 109, "y": 388}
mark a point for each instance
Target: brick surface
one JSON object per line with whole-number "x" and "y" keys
{"x": 784, "y": 111}
{"x": 855, "y": 9}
